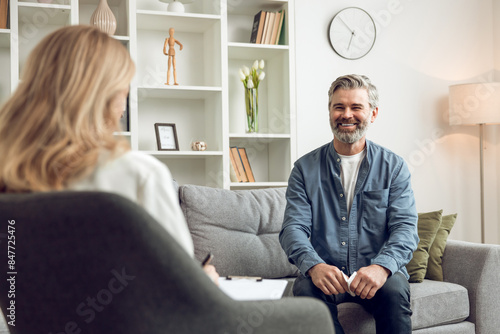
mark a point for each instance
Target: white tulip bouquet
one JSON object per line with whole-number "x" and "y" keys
{"x": 251, "y": 79}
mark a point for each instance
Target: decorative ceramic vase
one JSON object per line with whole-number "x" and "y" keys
{"x": 252, "y": 108}
{"x": 176, "y": 6}
{"x": 103, "y": 18}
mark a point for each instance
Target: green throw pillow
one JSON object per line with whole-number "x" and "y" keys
{"x": 428, "y": 225}
{"x": 434, "y": 268}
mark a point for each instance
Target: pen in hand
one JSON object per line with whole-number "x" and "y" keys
{"x": 207, "y": 259}
{"x": 209, "y": 269}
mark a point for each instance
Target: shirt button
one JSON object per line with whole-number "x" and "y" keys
{"x": 343, "y": 218}
{"x": 343, "y": 268}
{"x": 341, "y": 195}
{"x": 343, "y": 243}
{"x": 338, "y": 160}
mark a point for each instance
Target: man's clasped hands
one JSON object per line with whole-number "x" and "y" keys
{"x": 363, "y": 283}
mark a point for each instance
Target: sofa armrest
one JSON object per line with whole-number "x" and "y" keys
{"x": 475, "y": 266}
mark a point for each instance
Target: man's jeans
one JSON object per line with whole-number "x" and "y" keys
{"x": 390, "y": 306}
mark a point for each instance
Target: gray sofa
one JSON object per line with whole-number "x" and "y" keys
{"x": 241, "y": 229}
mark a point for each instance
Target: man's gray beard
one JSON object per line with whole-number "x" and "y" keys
{"x": 352, "y": 136}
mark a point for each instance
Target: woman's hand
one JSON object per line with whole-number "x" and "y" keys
{"x": 212, "y": 273}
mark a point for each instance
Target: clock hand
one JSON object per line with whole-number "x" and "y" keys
{"x": 352, "y": 31}
{"x": 350, "y": 41}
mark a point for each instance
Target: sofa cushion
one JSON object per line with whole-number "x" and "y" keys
{"x": 428, "y": 225}
{"x": 438, "y": 303}
{"x": 433, "y": 304}
{"x": 239, "y": 227}
{"x": 434, "y": 266}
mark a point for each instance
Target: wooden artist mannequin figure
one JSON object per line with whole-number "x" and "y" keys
{"x": 170, "y": 42}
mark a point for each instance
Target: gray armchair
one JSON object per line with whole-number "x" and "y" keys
{"x": 99, "y": 263}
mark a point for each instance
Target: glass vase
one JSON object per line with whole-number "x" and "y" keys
{"x": 252, "y": 108}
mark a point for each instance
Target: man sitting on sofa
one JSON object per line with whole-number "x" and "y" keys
{"x": 351, "y": 216}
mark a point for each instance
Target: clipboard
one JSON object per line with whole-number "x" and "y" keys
{"x": 252, "y": 289}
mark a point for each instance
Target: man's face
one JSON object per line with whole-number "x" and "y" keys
{"x": 350, "y": 114}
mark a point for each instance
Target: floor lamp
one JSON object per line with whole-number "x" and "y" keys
{"x": 476, "y": 104}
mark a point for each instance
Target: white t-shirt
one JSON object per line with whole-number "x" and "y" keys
{"x": 349, "y": 168}
{"x": 146, "y": 181}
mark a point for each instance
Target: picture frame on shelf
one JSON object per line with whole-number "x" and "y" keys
{"x": 166, "y": 137}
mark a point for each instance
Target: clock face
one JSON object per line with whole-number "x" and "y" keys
{"x": 352, "y": 33}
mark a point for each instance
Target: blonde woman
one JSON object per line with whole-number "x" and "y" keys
{"x": 56, "y": 131}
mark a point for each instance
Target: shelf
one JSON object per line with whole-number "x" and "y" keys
{"x": 253, "y": 139}
{"x": 45, "y": 14}
{"x": 184, "y": 154}
{"x": 155, "y": 20}
{"x": 59, "y": 2}
{"x": 96, "y": 2}
{"x": 208, "y": 103}
{"x": 259, "y": 136}
{"x": 122, "y": 38}
{"x": 254, "y": 6}
{"x": 122, "y": 133}
{"x": 252, "y": 51}
{"x": 43, "y": 5}
{"x": 4, "y": 38}
{"x": 179, "y": 92}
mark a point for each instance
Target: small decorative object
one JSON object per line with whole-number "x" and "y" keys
{"x": 198, "y": 146}
{"x": 166, "y": 137}
{"x": 251, "y": 79}
{"x": 352, "y": 33}
{"x": 170, "y": 43}
{"x": 103, "y": 18}
{"x": 176, "y": 6}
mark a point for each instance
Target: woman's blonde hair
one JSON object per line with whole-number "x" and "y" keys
{"x": 59, "y": 119}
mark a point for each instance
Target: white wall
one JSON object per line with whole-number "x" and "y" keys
{"x": 422, "y": 47}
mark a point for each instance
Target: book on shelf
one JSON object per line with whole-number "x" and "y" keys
{"x": 265, "y": 28}
{"x": 4, "y": 13}
{"x": 258, "y": 27}
{"x": 232, "y": 169}
{"x": 275, "y": 28}
{"x": 241, "y": 171}
{"x": 237, "y": 165}
{"x": 268, "y": 28}
{"x": 280, "y": 37}
{"x": 246, "y": 164}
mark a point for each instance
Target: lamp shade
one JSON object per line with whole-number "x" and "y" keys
{"x": 477, "y": 103}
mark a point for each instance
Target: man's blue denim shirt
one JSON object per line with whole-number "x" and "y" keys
{"x": 381, "y": 227}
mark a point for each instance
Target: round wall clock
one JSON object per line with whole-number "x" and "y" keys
{"x": 352, "y": 33}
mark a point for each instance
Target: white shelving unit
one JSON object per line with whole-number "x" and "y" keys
{"x": 208, "y": 104}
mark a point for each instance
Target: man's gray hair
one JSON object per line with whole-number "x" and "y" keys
{"x": 353, "y": 81}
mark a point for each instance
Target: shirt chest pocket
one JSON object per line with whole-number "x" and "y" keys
{"x": 374, "y": 204}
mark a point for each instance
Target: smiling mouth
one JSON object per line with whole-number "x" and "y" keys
{"x": 346, "y": 125}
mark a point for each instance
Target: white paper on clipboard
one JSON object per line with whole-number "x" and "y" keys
{"x": 251, "y": 289}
